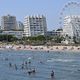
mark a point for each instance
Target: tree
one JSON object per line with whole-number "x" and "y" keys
{"x": 8, "y": 38}
{"x": 58, "y": 39}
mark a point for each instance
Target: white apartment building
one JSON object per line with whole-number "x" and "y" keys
{"x": 72, "y": 26}
{"x": 35, "y": 25}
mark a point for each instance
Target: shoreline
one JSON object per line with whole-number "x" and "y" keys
{"x": 41, "y": 48}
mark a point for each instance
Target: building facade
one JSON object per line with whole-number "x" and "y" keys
{"x": 54, "y": 33}
{"x": 72, "y": 27}
{"x": 20, "y": 26}
{"x": 17, "y": 34}
{"x": 8, "y": 23}
{"x": 35, "y": 25}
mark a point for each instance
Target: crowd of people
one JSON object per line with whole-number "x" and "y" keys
{"x": 28, "y": 69}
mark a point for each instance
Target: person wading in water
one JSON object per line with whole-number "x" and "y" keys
{"x": 52, "y": 74}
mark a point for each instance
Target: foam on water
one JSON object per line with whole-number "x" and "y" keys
{"x": 60, "y": 60}
{"x": 29, "y": 58}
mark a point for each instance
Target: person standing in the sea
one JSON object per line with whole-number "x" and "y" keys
{"x": 52, "y": 74}
{"x": 26, "y": 63}
{"x": 10, "y": 64}
{"x": 22, "y": 66}
{"x": 15, "y": 66}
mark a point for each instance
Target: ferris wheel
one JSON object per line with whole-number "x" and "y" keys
{"x": 71, "y": 8}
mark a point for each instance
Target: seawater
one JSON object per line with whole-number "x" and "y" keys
{"x": 66, "y": 65}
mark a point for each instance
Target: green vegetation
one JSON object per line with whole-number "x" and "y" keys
{"x": 38, "y": 40}
{"x": 7, "y": 38}
{"x": 58, "y": 39}
{"x": 42, "y": 40}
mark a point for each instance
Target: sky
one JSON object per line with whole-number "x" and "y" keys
{"x": 21, "y": 8}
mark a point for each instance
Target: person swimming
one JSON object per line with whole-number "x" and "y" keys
{"x": 33, "y": 70}
{"x": 10, "y": 64}
{"x": 29, "y": 62}
{"x": 6, "y": 59}
{"x": 26, "y": 62}
{"x": 48, "y": 51}
{"x": 22, "y": 67}
{"x": 29, "y": 72}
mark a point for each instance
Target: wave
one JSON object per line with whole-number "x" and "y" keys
{"x": 29, "y": 58}
{"x": 60, "y": 60}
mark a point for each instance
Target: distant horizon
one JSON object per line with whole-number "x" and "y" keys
{"x": 50, "y": 9}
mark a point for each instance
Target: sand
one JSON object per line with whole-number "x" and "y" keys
{"x": 40, "y": 48}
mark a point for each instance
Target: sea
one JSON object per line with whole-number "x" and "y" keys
{"x": 15, "y": 65}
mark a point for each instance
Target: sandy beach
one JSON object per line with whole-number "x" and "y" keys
{"x": 40, "y": 48}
